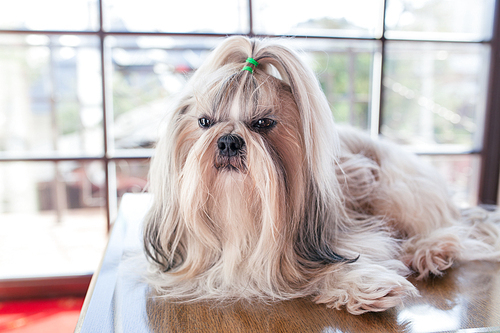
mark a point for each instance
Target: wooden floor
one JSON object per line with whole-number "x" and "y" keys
{"x": 466, "y": 299}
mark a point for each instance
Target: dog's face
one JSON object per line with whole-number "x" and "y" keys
{"x": 239, "y": 152}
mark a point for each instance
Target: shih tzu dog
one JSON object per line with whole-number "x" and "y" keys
{"x": 258, "y": 195}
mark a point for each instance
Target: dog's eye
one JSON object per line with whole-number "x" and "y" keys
{"x": 205, "y": 122}
{"x": 264, "y": 123}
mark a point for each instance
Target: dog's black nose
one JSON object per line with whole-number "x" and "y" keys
{"x": 230, "y": 145}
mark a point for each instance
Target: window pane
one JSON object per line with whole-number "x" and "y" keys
{"x": 52, "y": 218}
{"x": 50, "y": 95}
{"x": 344, "y": 69}
{"x": 440, "y": 19}
{"x": 50, "y": 15}
{"x": 187, "y": 16}
{"x": 126, "y": 176}
{"x": 434, "y": 95}
{"x": 461, "y": 173}
{"x": 131, "y": 176}
{"x": 319, "y": 17}
{"x": 147, "y": 72}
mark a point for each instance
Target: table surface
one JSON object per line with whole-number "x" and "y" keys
{"x": 465, "y": 299}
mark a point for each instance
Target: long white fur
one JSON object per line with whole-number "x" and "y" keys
{"x": 301, "y": 194}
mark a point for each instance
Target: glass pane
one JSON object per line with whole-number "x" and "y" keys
{"x": 131, "y": 176}
{"x": 344, "y": 69}
{"x": 187, "y": 16}
{"x": 147, "y": 72}
{"x": 50, "y": 95}
{"x": 126, "y": 176}
{"x": 434, "y": 95}
{"x": 319, "y": 17}
{"x": 440, "y": 19}
{"x": 461, "y": 173}
{"x": 50, "y": 15}
{"x": 52, "y": 218}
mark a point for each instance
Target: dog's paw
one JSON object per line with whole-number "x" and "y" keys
{"x": 433, "y": 256}
{"x": 368, "y": 294}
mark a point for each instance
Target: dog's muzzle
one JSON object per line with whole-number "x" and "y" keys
{"x": 230, "y": 152}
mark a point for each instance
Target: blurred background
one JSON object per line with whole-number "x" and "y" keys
{"x": 84, "y": 85}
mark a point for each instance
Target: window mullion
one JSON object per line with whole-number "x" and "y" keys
{"x": 490, "y": 157}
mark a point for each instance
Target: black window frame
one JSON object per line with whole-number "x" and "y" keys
{"x": 489, "y": 154}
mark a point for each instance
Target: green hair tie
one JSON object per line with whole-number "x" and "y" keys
{"x": 253, "y": 62}
{"x": 247, "y": 68}
{"x": 250, "y": 61}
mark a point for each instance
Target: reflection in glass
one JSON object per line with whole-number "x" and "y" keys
{"x": 434, "y": 94}
{"x": 50, "y": 15}
{"x": 440, "y": 19}
{"x": 50, "y": 95}
{"x": 52, "y": 218}
{"x": 319, "y": 17}
{"x": 187, "y": 16}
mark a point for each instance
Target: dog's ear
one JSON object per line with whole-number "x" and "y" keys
{"x": 160, "y": 224}
{"x": 319, "y": 134}
{"x": 315, "y": 239}
{"x": 162, "y": 233}
{"x": 325, "y": 214}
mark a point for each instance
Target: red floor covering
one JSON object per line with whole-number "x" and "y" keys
{"x": 39, "y": 316}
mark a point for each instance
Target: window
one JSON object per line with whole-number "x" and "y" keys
{"x": 83, "y": 88}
